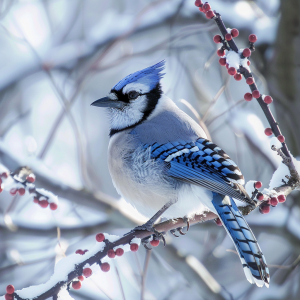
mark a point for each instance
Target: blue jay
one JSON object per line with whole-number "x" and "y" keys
{"x": 161, "y": 162}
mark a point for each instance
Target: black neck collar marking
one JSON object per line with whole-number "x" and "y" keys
{"x": 152, "y": 97}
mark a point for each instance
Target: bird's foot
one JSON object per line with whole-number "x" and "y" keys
{"x": 179, "y": 229}
{"x": 148, "y": 226}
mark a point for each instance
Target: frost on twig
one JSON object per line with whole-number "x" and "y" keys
{"x": 21, "y": 182}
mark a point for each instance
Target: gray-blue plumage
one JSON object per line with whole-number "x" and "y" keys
{"x": 159, "y": 157}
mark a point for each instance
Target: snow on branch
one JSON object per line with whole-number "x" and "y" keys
{"x": 21, "y": 182}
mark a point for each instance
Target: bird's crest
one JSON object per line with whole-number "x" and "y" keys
{"x": 149, "y": 76}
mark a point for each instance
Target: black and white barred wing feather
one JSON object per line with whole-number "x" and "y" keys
{"x": 202, "y": 163}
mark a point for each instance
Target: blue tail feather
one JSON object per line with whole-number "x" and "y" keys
{"x": 254, "y": 263}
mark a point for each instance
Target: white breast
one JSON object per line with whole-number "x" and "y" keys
{"x": 140, "y": 181}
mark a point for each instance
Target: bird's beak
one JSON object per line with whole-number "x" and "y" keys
{"x": 107, "y": 102}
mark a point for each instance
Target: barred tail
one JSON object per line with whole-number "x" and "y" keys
{"x": 253, "y": 260}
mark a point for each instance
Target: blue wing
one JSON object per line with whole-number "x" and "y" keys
{"x": 202, "y": 163}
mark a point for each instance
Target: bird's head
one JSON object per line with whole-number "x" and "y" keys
{"x": 133, "y": 99}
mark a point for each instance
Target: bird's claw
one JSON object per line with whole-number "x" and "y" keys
{"x": 145, "y": 242}
{"x": 173, "y": 231}
{"x": 179, "y": 229}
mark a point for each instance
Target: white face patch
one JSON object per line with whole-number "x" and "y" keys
{"x": 135, "y": 86}
{"x": 131, "y": 114}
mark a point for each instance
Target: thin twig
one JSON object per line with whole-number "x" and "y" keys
{"x": 120, "y": 283}
{"x": 146, "y": 264}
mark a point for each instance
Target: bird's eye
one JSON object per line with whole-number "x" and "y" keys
{"x": 133, "y": 95}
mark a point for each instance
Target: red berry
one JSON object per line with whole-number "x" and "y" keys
{"x": 9, "y": 297}
{"x": 234, "y": 32}
{"x": 154, "y": 243}
{"x": 100, "y": 237}
{"x": 222, "y": 61}
{"x": 79, "y": 251}
{"x": 206, "y": 7}
{"x": 210, "y": 14}
{"x": 260, "y": 196}
{"x": 201, "y": 8}
{"x": 13, "y": 191}
{"x": 268, "y": 131}
{"x": 252, "y": 38}
{"x": 256, "y": 94}
{"x": 228, "y": 37}
{"x": 76, "y": 285}
{"x": 119, "y": 252}
{"x": 264, "y": 208}
{"x": 258, "y": 184}
{"x": 134, "y": 247}
{"x": 30, "y": 178}
{"x": 217, "y": 39}
{"x": 111, "y": 253}
{"x": 53, "y": 206}
{"x": 273, "y": 201}
{"x": 218, "y": 221}
{"x": 87, "y": 272}
{"x": 248, "y": 62}
{"x": 246, "y": 52}
{"x": 198, "y": 3}
{"x": 231, "y": 71}
{"x": 105, "y": 267}
{"x": 250, "y": 80}
{"x": 238, "y": 76}
{"x": 10, "y": 289}
{"x": 268, "y": 100}
{"x": 4, "y": 175}
{"x": 281, "y": 138}
{"x": 21, "y": 191}
{"x": 281, "y": 198}
{"x": 248, "y": 96}
{"x": 35, "y": 200}
{"x": 43, "y": 203}
{"x": 81, "y": 278}
{"x": 221, "y": 52}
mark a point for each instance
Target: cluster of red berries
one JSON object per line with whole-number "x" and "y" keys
{"x": 20, "y": 191}
{"x": 205, "y": 8}
{"x": 265, "y": 207}
{"x": 10, "y": 289}
{"x": 87, "y": 272}
{"x": 42, "y": 202}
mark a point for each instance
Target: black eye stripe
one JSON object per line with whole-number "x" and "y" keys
{"x": 125, "y": 97}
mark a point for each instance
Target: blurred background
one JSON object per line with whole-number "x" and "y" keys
{"x": 58, "y": 56}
